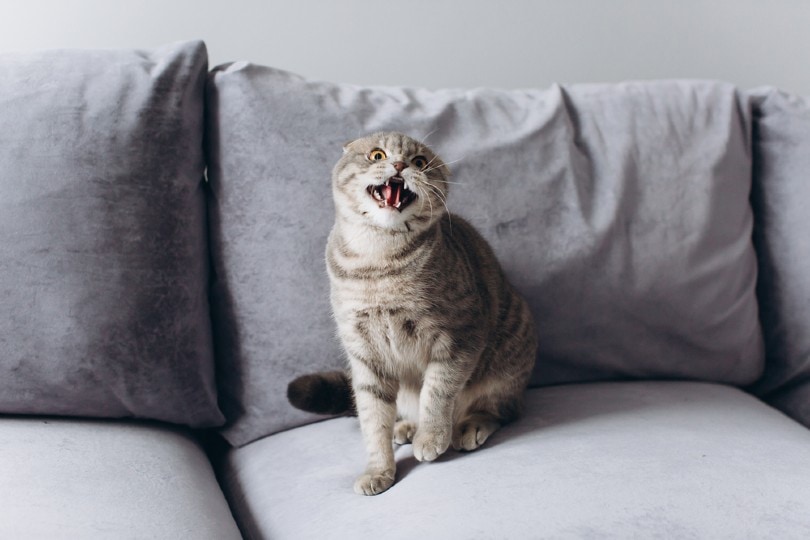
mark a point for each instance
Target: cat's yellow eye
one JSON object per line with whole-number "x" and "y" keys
{"x": 420, "y": 162}
{"x": 377, "y": 155}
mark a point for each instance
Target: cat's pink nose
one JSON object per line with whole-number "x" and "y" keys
{"x": 400, "y": 166}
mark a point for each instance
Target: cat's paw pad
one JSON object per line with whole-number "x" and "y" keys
{"x": 404, "y": 432}
{"x": 430, "y": 444}
{"x": 373, "y": 482}
{"x": 473, "y": 433}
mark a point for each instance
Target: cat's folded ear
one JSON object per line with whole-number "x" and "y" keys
{"x": 348, "y": 145}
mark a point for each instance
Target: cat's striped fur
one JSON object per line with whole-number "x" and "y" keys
{"x": 440, "y": 346}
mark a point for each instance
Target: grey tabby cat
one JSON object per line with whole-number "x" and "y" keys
{"x": 440, "y": 346}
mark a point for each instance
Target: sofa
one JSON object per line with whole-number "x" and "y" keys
{"x": 162, "y": 229}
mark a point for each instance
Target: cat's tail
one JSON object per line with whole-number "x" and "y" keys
{"x": 326, "y": 392}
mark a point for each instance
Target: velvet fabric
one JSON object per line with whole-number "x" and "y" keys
{"x": 781, "y": 201}
{"x": 620, "y": 211}
{"x": 103, "y": 252}
{"x": 604, "y": 460}
{"x": 99, "y": 479}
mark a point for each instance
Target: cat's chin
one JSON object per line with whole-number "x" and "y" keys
{"x": 389, "y": 217}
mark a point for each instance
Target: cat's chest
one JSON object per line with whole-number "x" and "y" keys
{"x": 402, "y": 324}
{"x": 404, "y": 333}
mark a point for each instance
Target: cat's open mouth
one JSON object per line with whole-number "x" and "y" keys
{"x": 392, "y": 193}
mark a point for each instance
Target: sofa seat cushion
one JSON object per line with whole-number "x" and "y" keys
{"x": 103, "y": 479}
{"x": 606, "y": 460}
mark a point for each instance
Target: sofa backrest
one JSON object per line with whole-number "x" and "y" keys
{"x": 103, "y": 251}
{"x": 781, "y": 203}
{"x": 620, "y": 211}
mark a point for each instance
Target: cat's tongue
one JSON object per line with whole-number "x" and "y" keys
{"x": 392, "y": 193}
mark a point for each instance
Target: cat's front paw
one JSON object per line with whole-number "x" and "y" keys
{"x": 428, "y": 444}
{"x": 373, "y": 482}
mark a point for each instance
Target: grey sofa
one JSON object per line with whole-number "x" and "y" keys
{"x": 161, "y": 236}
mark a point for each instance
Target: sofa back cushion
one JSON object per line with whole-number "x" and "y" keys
{"x": 103, "y": 255}
{"x": 781, "y": 201}
{"x": 620, "y": 211}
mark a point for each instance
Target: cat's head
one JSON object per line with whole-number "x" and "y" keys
{"x": 390, "y": 181}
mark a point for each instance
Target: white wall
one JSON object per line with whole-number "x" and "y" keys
{"x": 433, "y": 43}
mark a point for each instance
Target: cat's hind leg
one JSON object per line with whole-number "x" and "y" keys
{"x": 408, "y": 413}
{"x": 479, "y": 416}
{"x": 474, "y": 430}
{"x": 404, "y": 431}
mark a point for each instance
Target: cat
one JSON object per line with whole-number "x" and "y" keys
{"x": 440, "y": 346}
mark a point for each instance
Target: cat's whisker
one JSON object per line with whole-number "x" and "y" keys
{"x": 424, "y": 139}
{"x": 431, "y": 161}
{"x": 438, "y": 193}
{"x": 424, "y": 196}
{"x": 447, "y": 181}
{"x": 421, "y": 195}
{"x": 444, "y": 202}
{"x": 428, "y": 168}
{"x": 462, "y": 158}
{"x": 444, "y": 164}
{"x": 441, "y": 199}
